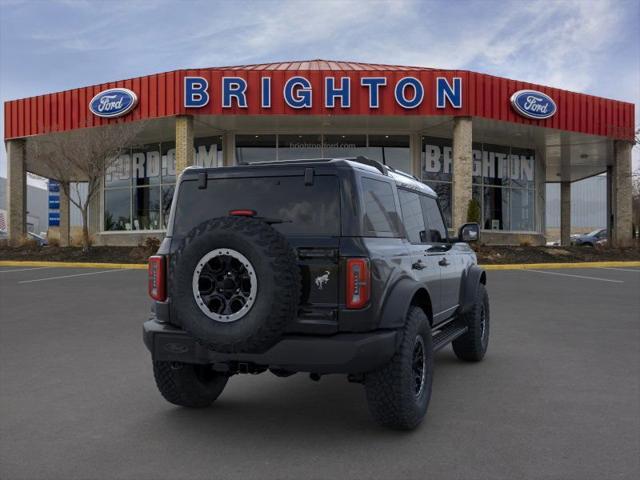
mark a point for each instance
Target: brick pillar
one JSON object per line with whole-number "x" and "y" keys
{"x": 621, "y": 185}
{"x": 462, "y": 170}
{"x": 16, "y": 191}
{"x": 65, "y": 216}
{"x": 228, "y": 149}
{"x": 184, "y": 143}
{"x": 565, "y": 213}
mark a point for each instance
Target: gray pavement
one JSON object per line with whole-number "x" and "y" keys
{"x": 558, "y": 395}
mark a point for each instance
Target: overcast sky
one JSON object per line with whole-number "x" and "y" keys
{"x": 582, "y": 45}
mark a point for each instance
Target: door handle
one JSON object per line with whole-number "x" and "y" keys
{"x": 444, "y": 262}
{"x": 418, "y": 265}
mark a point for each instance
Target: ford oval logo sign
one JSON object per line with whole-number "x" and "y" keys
{"x": 114, "y": 102}
{"x": 533, "y": 104}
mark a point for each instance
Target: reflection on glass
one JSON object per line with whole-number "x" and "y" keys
{"x": 496, "y": 208}
{"x": 118, "y": 174}
{"x": 392, "y": 150}
{"x": 208, "y": 152}
{"x": 436, "y": 159}
{"x": 168, "y": 162}
{"x": 146, "y": 208}
{"x": 145, "y": 165}
{"x": 117, "y": 205}
{"x": 343, "y": 146}
{"x": 292, "y": 147}
{"x": 167, "y": 198}
{"x": 443, "y": 190}
{"x": 255, "y": 148}
{"x": 522, "y": 210}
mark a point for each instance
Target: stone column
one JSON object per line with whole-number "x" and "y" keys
{"x": 462, "y": 170}
{"x": 565, "y": 213}
{"x": 184, "y": 143}
{"x": 228, "y": 149}
{"x": 621, "y": 184}
{"x": 415, "y": 147}
{"x": 65, "y": 216}
{"x": 16, "y": 191}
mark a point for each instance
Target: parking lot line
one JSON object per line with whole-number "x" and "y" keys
{"x": 24, "y": 269}
{"x": 70, "y": 276}
{"x": 576, "y": 276}
{"x": 637, "y": 270}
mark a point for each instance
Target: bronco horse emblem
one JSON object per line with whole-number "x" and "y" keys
{"x": 322, "y": 280}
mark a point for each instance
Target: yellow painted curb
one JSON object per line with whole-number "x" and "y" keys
{"x": 28, "y": 263}
{"x": 529, "y": 266}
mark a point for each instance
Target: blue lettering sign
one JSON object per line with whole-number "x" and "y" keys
{"x": 297, "y": 92}
{"x": 266, "y": 92}
{"x": 533, "y": 104}
{"x": 373, "y": 84}
{"x": 195, "y": 92}
{"x": 234, "y": 87}
{"x": 331, "y": 92}
{"x": 401, "y": 94}
{"x": 114, "y": 102}
{"x": 444, "y": 92}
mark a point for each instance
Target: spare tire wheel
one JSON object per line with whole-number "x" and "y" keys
{"x": 236, "y": 284}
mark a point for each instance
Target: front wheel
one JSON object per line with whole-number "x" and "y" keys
{"x": 188, "y": 385}
{"x": 398, "y": 394}
{"x": 472, "y": 346}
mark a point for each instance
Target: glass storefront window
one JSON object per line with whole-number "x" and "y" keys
{"x": 145, "y": 165}
{"x": 208, "y": 152}
{"x": 341, "y": 146}
{"x": 392, "y": 150}
{"x": 503, "y": 182}
{"x": 118, "y": 174}
{"x": 292, "y": 147}
{"x": 168, "y": 161}
{"x": 496, "y": 208}
{"x": 117, "y": 209}
{"x": 521, "y": 211}
{"x": 166, "y": 199}
{"x": 255, "y": 148}
{"x": 146, "y": 208}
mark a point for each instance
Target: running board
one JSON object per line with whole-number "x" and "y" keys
{"x": 447, "y": 334}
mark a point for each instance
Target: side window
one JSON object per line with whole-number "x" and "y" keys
{"x": 436, "y": 231}
{"x": 380, "y": 215}
{"x": 412, "y": 216}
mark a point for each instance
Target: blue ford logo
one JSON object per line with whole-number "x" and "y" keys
{"x": 533, "y": 104}
{"x": 114, "y": 102}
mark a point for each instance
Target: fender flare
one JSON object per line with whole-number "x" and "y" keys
{"x": 400, "y": 298}
{"x": 472, "y": 277}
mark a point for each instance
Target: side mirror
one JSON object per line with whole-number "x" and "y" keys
{"x": 469, "y": 232}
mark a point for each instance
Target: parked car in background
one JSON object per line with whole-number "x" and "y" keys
{"x": 591, "y": 239}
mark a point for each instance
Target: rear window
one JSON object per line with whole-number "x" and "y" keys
{"x": 304, "y": 209}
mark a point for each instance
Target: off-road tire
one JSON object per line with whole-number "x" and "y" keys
{"x": 473, "y": 345}
{"x": 278, "y": 280}
{"x": 188, "y": 385}
{"x": 390, "y": 391}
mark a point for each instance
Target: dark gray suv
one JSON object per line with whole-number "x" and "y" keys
{"x": 320, "y": 266}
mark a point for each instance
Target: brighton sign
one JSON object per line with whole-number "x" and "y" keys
{"x": 113, "y": 103}
{"x": 298, "y": 93}
{"x": 533, "y": 104}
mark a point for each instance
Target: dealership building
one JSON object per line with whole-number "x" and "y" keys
{"x": 472, "y": 137}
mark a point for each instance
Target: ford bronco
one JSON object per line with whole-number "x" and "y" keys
{"x": 320, "y": 266}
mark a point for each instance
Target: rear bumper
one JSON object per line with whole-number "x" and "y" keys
{"x": 340, "y": 353}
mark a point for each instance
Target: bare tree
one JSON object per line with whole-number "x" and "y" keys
{"x": 82, "y": 156}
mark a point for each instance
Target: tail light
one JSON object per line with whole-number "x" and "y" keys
{"x": 358, "y": 282}
{"x": 157, "y": 278}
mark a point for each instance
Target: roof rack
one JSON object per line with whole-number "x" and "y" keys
{"x": 371, "y": 163}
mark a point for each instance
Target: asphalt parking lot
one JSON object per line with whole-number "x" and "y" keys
{"x": 558, "y": 395}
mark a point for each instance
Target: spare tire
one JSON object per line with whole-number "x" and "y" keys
{"x": 235, "y": 284}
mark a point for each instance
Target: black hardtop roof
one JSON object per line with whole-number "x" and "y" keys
{"x": 360, "y": 163}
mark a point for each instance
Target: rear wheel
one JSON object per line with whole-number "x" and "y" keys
{"x": 188, "y": 385}
{"x": 398, "y": 394}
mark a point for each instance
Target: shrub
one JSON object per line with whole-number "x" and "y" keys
{"x": 474, "y": 215}
{"x": 151, "y": 244}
